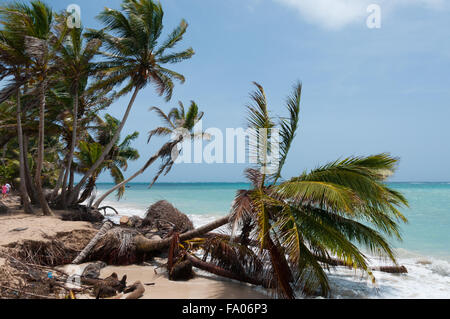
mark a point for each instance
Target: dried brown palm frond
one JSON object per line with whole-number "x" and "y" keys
{"x": 234, "y": 257}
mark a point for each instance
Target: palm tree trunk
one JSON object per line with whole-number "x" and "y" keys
{"x": 72, "y": 146}
{"x": 281, "y": 268}
{"x": 40, "y": 157}
{"x": 23, "y": 189}
{"x": 146, "y": 245}
{"x": 88, "y": 189}
{"x": 139, "y": 172}
{"x": 221, "y": 272}
{"x": 32, "y": 192}
{"x": 85, "y": 252}
{"x": 71, "y": 179}
{"x": 105, "y": 151}
{"x": 59, "y": 182}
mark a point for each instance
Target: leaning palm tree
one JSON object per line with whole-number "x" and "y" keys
{"x": 300, "y": 225}
{"x": 134, "y": 56}
{"x": 75, "y": 59}
{"x": 14, "y": 61}
{"x": 115, "y": 163}
{"x": 33, "y": 25}
{"x": 180, "y": 125}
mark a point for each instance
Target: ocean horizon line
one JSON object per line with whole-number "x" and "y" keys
{"x": 246, "y": 182}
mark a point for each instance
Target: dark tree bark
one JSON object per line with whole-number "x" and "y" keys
{"x": 32, "y": 192}
{"x": 72, "y": 145}
{"x": 23, "y": 189}
{"x": 40, "y": 157}
{"x": 220, "y": 271}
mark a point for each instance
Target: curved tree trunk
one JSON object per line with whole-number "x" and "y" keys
{"x": 72, "y": 146}
{"x": 40, "y": 158}
{"x": 139, "y": 172}
{"x": 146, "y": 245}
{"x": 105, "y": 152}
{"x": 58, "y": 183}
{"x": 281, "y": 267}
{"x": 88, "y": 189}
{"x": 23, "y": 189}
{"x": 117, "y": 186}
{"x": 221, "y": 272}
{"x": 85, "y": 252}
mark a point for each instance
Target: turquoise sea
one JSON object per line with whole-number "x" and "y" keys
{"x": 425, "y": 248}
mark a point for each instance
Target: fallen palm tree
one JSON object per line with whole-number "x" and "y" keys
{"x": 129, "y": 243}
{"x": 229, "y": 257}
{"x": 83, "y": 254}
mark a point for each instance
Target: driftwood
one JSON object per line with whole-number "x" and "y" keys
{"x": 392, "y": 269}
{"x": 337, "y": 262}
{"x": 109, "y": 286}
{"x": 102, "y": 231}
{"x": 137, "y": 291}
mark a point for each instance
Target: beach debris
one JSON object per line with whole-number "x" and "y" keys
{"x": 102, "y": 231}
{"x": 84, "y": 214}
{"x": 51, "y": 252}
{"x": 19, "y": 229}
{"x": 131, "y": 221}
{"x": 104, "y": 208}
{"x": 135, "y": 291}
{"x": 391, "y": 269}
{"x": 146, "y": 245}
{"x": 177, "y": 266}
{"x": 124, "y": 220}
{"x": 163, "y": 211}
{"x": 71, "y": 295}
{"x": 117, "y": 247}
{"x": 109, "y": 286}
{"x": 153, "y": 236}
{"x": 181, "y": 271}
{"x": 337, "y": 262}
{"x": 93, "y": 270}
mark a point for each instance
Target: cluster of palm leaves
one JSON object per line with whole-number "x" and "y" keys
{"x": 56, "y": 79}
{"x": 286, "y": 233}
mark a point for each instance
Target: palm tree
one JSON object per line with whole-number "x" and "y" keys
{"x": 300, "y": 224}
{"x": 131, "y": 38}
{"x": 76, "y": 65}
{"x": 13, "y": 61}
{"x": 90, "y": 103}
{"x": 116, "y": 161}
{"x": 33, "y": 24}
{"x": 178, "y": 124}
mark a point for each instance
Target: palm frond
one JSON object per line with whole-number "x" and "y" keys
{"x": 289, "y": 127}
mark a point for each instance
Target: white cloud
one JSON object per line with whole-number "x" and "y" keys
{"x": 336, "y": 14}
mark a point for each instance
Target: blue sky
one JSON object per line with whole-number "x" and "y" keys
{"x": 365, "y": 91}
